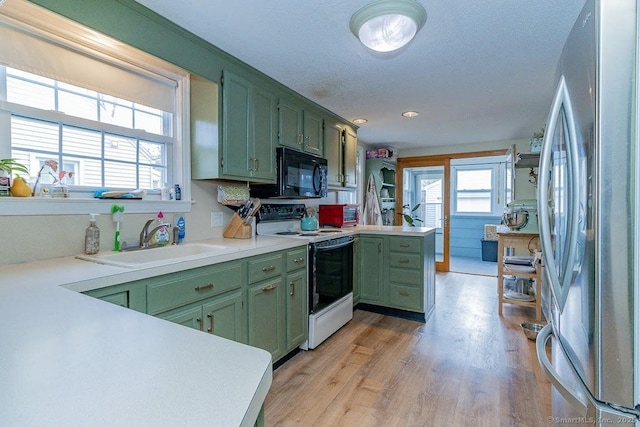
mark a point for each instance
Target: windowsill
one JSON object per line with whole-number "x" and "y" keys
{"x": 76, "y": 206}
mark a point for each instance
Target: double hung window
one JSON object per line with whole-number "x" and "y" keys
{"x": 479, "y": 186}
{"x": 110, "y": 115}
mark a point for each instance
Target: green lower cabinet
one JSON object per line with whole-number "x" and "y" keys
{"x": 357, "y": 259}
{"x": 129, "y": 295}
{"x": 296, "y": 302}
{"x": 372, "y": 282}
{"x": 398, "y": 271}
{"x": 221, "y": 316}
{"x": 190, "y": 316}
{"x": 266, "y": 317}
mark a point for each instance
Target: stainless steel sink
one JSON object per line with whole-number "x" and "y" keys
{"x": 157, "y": 255}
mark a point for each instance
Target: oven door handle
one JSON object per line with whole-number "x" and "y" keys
{"x": 328, "y": 248}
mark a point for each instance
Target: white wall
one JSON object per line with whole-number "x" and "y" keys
{"x": 38, "y": 237}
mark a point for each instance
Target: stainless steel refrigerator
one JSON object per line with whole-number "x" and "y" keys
{"x": 588, "y": 208}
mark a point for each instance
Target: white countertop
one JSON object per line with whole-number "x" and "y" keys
{"x": 72, "y": 360}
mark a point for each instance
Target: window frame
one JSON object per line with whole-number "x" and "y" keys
{"x": 497, "y": 166}
{"x": 76, "y": 36}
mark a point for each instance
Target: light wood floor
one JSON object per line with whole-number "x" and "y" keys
{"x": 466, "y": 366}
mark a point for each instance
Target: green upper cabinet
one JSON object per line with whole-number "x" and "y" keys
{"x": 340, "y": 150}
{"x": 237, "y": 143}
{"x": 290, "y": 124}
{"x": 313, "y": 143}
{"x": 350, "y": 158}
{"x": 299, "y": 127}
{"x": 248, "y": 130}
{"x": 333, "y": 153}
{"x": 265, "y": 134}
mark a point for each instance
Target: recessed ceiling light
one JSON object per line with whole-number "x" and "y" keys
{"x": 360, "y": 121}
{"x": 410, "y": 114}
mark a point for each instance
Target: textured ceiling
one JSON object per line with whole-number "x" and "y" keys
{"x": 477, "y": 71}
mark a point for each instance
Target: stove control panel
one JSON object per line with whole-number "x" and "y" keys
{"x": 281, "y": 212}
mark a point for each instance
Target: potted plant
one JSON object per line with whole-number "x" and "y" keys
{"x": 8, "y": 166}
{"x": 409, "y": 217}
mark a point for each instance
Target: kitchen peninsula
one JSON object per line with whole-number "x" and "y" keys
{"x": 74, "y": 360}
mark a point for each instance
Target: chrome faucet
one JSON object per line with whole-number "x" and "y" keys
{"x": 145, "y": 234}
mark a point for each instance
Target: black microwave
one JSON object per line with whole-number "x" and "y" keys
{"x": 298, "y": 176}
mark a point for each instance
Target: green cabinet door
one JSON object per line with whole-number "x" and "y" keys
{"x": 266, "y": 317}
{"x": 357, "y": 260}
{"x": 129, "y": 295}
{"x": 223, "y": 316}
{"x": 290, "y": 124}
{"x": 236, "y": 125}
{"x": 296, "y": 302}
{"x": 312, "y": 127}
{"x": 350, "y": 158}
{"x": 190, "y": 316}
{"x": 333, "y": 153}
{"x": 372, "y": 270}
{"x": 262, "y": 159}
{"x": 299, "y": 128}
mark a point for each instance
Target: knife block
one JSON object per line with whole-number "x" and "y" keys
{"x": 236, "y": 229}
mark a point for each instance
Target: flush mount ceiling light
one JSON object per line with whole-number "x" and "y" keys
{"x": 387, "y": 25}
{"x": 410, "y": 114}
{"x": 360, "y": 121}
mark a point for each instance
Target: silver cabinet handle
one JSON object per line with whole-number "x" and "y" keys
{"x": 300, "y": 139}
{"x": 403, "y": 261}
{"x": 205, "y": 287}
{"x": 404, "y": 245}
{"x": 256, "y": 164}
{"x": 293, "y": 288}
{"x": 270, "y": 268}
{"x": 268, "y": 288}
{"x": 199, "y": 320}
{"x": 404, "y": 293}
{"x": 301, "y": 259}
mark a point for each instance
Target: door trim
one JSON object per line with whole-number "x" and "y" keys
{"x": 439, "y": 160}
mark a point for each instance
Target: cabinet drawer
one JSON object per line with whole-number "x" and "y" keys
{"x": 406, "y": 277}
{"x": 296, "y": 259}
{"x": 405, "y": 260}
{"x": 182, "y": 288}
{"x": 405, "y": 297}
{"x": 265, "y": 268}
{"x": 404, "y": 244}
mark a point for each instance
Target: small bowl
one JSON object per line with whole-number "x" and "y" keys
{"x": 531, "y": 330}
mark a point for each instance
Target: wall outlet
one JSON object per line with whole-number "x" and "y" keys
{"x": 216, "y": 219}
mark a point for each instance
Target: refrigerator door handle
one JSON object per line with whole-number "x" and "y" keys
{"x": 569, "y": 394}
{"x": 559, "y": 275}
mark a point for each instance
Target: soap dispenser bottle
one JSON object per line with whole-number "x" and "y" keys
{"x": 92, "y": 237}
{"x": 161, "y": 236}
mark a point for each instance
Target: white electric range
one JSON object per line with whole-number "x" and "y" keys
{"x": 330, "y": 267}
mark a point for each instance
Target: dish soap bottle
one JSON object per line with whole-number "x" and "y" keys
{"x": 92, "y": 237}
{"x": 161, "y": 236}
{"x": 180, "y": 225}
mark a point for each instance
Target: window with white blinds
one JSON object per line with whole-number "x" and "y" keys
{"x": 105, "y": 111}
